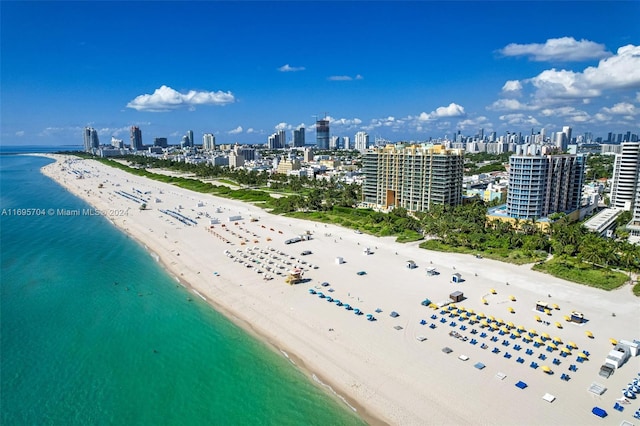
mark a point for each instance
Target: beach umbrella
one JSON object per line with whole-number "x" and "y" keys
{"x": 557, "y": 340}
{"x": 558, "y": 324}
{"x": 491, "y": 318}
{"x": 515, "y": 333}
{"x": 547, "y": 311}
{"x": 566, "y": 351}
{"x": 537, "y": 318}
{"x": 510, "y": 325}
{"x": 533, "y": 332}
{"x": 493, "y": 291}
{"x": 481, "y": 315}
{"x": 521, "y": 327}
{"x": 546, "y": 369}
{"x": 484, "y": 323}
{"x": 545, "y": 335}
{"x": 582, "y": 355}
{"x": 589, "y": 334}
{"x": 499, "y": 321}
{"x": 493, "y": 326}
{"x": 552, "y": 345}
{"x": 567, "y": 318}
{"x": 538, "y": 341}
{"x": 484, "y": 301}
{"x": 471, "y": 311}
{"x": 613, "y": 341}
{"x": 572, "y": 345}
{"x": 504, "y": 329}
{"x": 510, "y": 309}
{"x": 556, "y": 307}
{"x": 462, "y": 308}
{"x": 512, "y": 298}
{"x": 463, "y": 316}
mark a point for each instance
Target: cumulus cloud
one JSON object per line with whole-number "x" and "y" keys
{"x": 165, "y": 99}
{"x": 283, "y": 126}
{"x": 622, "y": 108}
{"x": 512, "y": 86}
{"x": 519, "y": 119}
{"x": 344, "y": 77}
{"x": 235, "y": 131}
{"x": 453, "y": 110}
{"x": 251, "y": 130}
{"x": 346, "y": 122}
{"x": 474, "y": 123}
{"x": 289, "y": 68}
{"x": 564, "y": 49}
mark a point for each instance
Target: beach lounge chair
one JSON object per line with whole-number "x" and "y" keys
{"x": 495, "y": 350}
{"x": 618, "y": 407}
{"x": 484, "y": 346}
{"x": 483, "y": 335}
{"x": 520, "y": 360}
{"x": 599, "y": 412}
{"x": 423, "y": 322}
{"x": 521, "y": 385}
{"x": 432, "y": 326}
{"x": 507, "y": 355}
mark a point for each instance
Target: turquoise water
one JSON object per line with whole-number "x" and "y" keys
{"x": 93, "y": 331}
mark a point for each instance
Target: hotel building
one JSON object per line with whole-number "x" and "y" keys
{"x": 626, "y": 170}
{"x": 540, "y": 185}
{"x": 412, "y": 176}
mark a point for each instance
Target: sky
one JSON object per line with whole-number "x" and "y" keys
{"x": 403, "y": 71}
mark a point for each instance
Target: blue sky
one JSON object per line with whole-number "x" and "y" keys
{"x": 242, "y": 70}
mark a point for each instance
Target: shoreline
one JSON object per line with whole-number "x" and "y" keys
{"x": 382, "y": 371}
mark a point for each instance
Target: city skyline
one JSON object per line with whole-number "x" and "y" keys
{"x": 399, "y": 71}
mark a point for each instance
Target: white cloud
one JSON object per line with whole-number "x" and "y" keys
{"x": 453, "y": 110}
{"x": 165, "y": 99}
{"x": 474, "y": 123}
{"x": 283, "y": 126}
{"x": 344, "y": 77}
{"x": 289, "y": 68}
{"x": 345, "y": 122}
{"x": 235, "y": 131}
{"x": 512, "y": 86}
{"x": 564, "y": 49}
{"x": 519, "y": 119}
{"x": 622, "y": 108}
{"x": 20, "y": 133}
{"x": 251, "y": 130}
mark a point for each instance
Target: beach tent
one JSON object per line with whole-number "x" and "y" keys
{"x": 521, "y": 384}
{"x": 599, "y": 412}
{"x": 456, "y": 278}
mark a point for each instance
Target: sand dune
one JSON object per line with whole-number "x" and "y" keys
{"x": 378, "y": 367}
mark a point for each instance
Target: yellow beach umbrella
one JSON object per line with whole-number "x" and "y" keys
{"x": 510, "y": 309}
{"x": 613, "y": 341}
{"x": 463, "y": 316}
{"x": 567, "y": 318}
{"x": 481, "y": 315}
{"x": 471, "y": 311}
{"x": 484, "y": 301}
{"x": 582, "y": 355}
{"x": 504, "y": 329}
{"x": 510, "y": 325}
{"x": 512, "y": 298}
{"x": 521, "y": 328}
{"x": 532, "y": 331}
{"x": 491, "y": 318}
{"x": 545, "y": 335}
{"x": 557, "y": 340}
{"x": 538, "y": 340}
{"x": 558, "y": 324}
{"x": 547, "y": 311}
{"x": 572, "y": 345}
{"x": 546, "y": 369}
{"x": 515, "y": 333}
{"x": 454, "y": 313}
{"x": 493, "y": 326}
{"x": 462, "y": 308}
{"x": 484, "y": 323}
{"x": 537, "y": 318}
{"x": 493, "y": 291}
{"x": 499, "y": 321}
{"x": 566, "y": 350}
{"x": 589, "y": 334}
{"x": 552, "y": 345}
{"x": 556, "y": 307}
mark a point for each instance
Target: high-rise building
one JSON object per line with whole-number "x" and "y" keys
{"x": 135, "y": 135}
{"x": 412, "y": 176}
{"x": 626, "y": 171}
{"x": 298, "y": 137}
{"x": 362, "y": 141}
{"x": 208, "y": 142}
{"x": 346, "y": 142}
{"x": 91, "y": 140}
{"x": 540, "y": 185}
{"x": 322, "y": 134}
{"x": 334, "y": 142}
{"x": 282, "y": 139}
{"x": 190, "y": 137}
{"x": 277, "y": 140}
{"x": 161, "y": 142}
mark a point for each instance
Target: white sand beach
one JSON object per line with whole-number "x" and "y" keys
{"x": 379, "y": 367}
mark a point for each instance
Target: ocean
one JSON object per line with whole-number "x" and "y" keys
{"x": 94, "y": 331}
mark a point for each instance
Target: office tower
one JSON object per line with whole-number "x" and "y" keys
{"x": 567, "y": 131}
{"x": 540, "y": 185}
{"x": 91, "y": 140}
{"x": 412, "y": 176}
{"x": 136, "y": 138}
{"x": 161, "y": 142}
{"x": 282, "y": 139}
{"x": 626, "y": 169}
{"x": 362, "y": 141}
{"x": 322, "y": 134}
{"x": 298, "y": 137}
{"x": 190, "y": 137}
{"x": 208, "y": 142}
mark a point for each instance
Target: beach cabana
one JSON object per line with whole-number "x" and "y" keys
{"x": 456, "y": 278}
{"x": 456, "y": 296}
